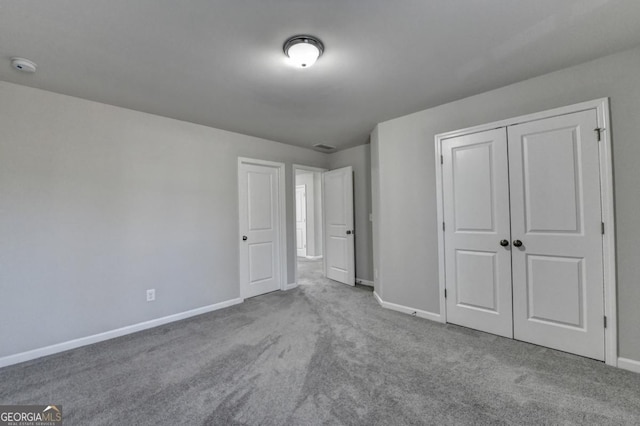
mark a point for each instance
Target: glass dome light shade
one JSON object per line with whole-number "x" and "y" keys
{"x": 303, "y": 51}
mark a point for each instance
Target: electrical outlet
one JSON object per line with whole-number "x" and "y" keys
{"x": 151, "y": 295}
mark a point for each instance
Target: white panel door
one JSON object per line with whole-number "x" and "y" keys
{"x": 477, "y": 249}
{"x": 259, "y": 229}
{"x": 338, "y": 225}
{"x": 556, "y": 216}
{"x": 301, "y": 220}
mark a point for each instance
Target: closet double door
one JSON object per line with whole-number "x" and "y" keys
{"x": 523, "y": 236}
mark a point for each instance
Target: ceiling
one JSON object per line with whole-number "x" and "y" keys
{"x": 220, "y": 62}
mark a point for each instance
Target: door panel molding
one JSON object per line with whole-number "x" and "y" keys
{"x": 280, "y": 220}
{"x": 601, "y": 108}
{"x": 557, "y": 273}
{"x": 476, "y": 207}
{"x": 338, "y": 229}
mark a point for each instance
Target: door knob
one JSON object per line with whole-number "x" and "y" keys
{"x": 244, "y": 238}
{"x": 517, "y": 243}
{"x": 504, "y": 243}
{"x": 348, "y": 232}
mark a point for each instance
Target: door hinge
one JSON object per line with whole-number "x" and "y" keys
{"x": 599, "y": 133}
{"x": 605, "y": 322}
{"x": 443, "y": 226}
{"x": 602, "y": 227}
{"x": 445, "y": 293}
{"x": 441, "y": 159}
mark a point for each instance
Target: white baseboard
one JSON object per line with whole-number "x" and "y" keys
{"x": 83, "y": 341}
{"x": 624, "y": 363}
{"x": 407, "y": 310}
{"x": 629, "y": 364}
{"x": 290, "y": 286}
{"x": 364, "y": 282}
{"x": 314, "y": 257}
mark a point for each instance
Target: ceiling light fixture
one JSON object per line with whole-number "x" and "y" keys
{"x": 303, "y": 50}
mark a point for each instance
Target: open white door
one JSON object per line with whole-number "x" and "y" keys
{"x": 301, "y": 220}
{"x": 339, "y": 231}
{"x": 259, "y": 206}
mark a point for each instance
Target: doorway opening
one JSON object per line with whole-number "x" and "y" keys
{"x": 308, "y": 223}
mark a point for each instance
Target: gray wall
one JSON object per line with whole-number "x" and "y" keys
{"x": 359, "y": 158}
{"x": 99, "y": 203}
{"x": 404, "y": 151}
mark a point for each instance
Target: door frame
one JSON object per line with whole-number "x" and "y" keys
{"x": 601, "y": 106}
{"x": 282, "y": 222}
{"x": 294, "y": 168}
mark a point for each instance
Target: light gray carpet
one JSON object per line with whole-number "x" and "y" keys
{"x": 323, "y": 353}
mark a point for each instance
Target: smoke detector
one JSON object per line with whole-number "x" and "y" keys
{"x": 23, "y": 65}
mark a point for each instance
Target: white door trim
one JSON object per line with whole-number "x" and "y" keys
{"x": 294, "y": 168}
{"x": 606, "y": 197}
{"x": 282, "y": 222}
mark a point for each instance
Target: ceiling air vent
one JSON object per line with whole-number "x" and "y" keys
{"x": 324, "y": 147}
